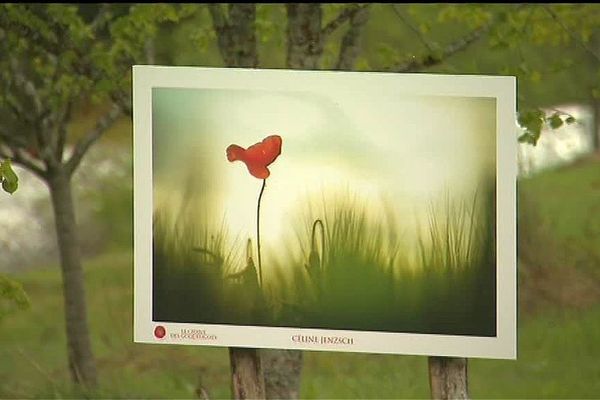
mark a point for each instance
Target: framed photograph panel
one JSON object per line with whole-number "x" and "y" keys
{"x": 321, "y": 210}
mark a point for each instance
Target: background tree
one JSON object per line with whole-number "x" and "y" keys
{"x": 54, "y": 59}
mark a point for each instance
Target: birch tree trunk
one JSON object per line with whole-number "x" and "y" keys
{"x": 448, "y": 378}
{"x": 80, "y": 358}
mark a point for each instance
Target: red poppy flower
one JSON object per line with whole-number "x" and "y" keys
{"x": 258, "y": 156}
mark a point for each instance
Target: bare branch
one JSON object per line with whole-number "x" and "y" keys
{"x": 413, "y": 28}
{"x": 571, "y": 33}
{"x": 123, "y": 101}
{"x": 150, "y": 51}
{"x": 349, "y": 48}
{"x": 91, "y": 137}
{"x": 453, "y": 48}
{"x": 342, "y": 17}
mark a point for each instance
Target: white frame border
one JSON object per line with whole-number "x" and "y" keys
{"x": 503, "y": 88}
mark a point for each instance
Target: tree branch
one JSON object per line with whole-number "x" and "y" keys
{"x": 101, "y": 18}
{"x": 27, "y": 85}
{"x": 349, "y": 48}
{"x": 453, "y": 48}
{"x": 39, "y": 120}
{"x": 413, "y": 28}
{"x": 150, "y": 51}
{"x": 12, "y": 141}
{"x": 218, "y": 18}
{"x": 571, "y": 33}
{"x": 342, "y": 17}
{"x": 92, "y": 136}
{"x": 17, "y": 110}
{"x": 19, "y": 158}
{"x": 429, "y": 60}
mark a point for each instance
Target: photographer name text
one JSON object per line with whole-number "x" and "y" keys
{"x": 315, "y": 339}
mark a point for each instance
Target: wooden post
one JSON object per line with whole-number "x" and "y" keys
{"x": 247, "y": 380}
{"x": 448, "y": 378}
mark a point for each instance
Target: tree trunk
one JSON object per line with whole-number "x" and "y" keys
{"x": 283, "y": 371}
{"x": 81, "y": 359}
{"x": 304, "y": 41}
{"x": 236, "y": 34}
{"x": 596, "y": 125}
{"x": 247, "y": 380}
{"x": 448, "y": 378}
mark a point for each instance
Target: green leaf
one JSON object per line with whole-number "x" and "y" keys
{"x": 12, "y": 296}
{"x": 570, "y": 120}
{"x": 10, "y": 180}
{"x": 555, "y": 121}
{"x": 528, "y": 138}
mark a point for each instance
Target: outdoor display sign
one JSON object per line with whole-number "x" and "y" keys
{"x": 322, "y": 210}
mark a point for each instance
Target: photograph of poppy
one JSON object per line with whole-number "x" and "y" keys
{"x": 324, "y": 207}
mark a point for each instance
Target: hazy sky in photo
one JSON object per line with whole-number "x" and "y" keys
{"x": 401, "y": 150}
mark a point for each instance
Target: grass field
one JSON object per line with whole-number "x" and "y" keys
{"x": 448, "y": 289}
{"x": 558, "y": 334}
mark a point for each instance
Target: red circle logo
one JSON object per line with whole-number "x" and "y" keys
{"x": 160, "y": 332}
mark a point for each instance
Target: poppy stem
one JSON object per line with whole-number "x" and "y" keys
{"x": 262, "y": 189}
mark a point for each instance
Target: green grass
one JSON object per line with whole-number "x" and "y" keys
{"x": 360, "y": 279}
{"x": 558, "y": 354}
{"x": 366, "y": 281}
{"x": 569, "y": 199}
{"x": 32, "y": 355}
{"x": 354, "y": 274}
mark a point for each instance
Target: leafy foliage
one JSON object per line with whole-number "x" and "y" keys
{"x": 12, "y": 296}
{"x": 10, "y": 180}
{"x": 55, "y": 58}
{"x": 533, "y": 121}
